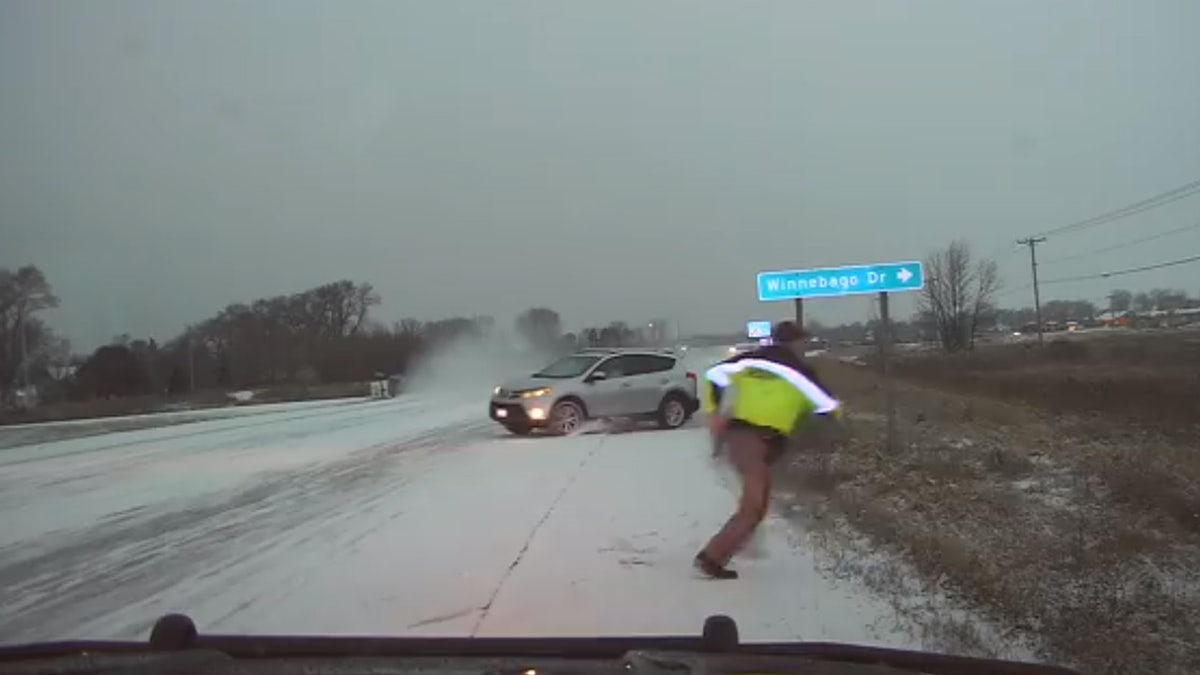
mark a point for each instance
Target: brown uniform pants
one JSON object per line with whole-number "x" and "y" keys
{"x": 752, "y": 451}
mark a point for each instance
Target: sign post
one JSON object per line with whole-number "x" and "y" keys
{"x": 885, "y": 355}
{"x": 836, "y": 282}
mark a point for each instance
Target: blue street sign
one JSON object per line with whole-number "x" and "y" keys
{"x": 832, "y": 282}
{"x": 758, "y": 329}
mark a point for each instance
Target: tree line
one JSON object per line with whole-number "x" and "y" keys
{"x": 959, "y": 302}
{"x": 324, "y": 334}
{"x": 28, "y": 346}
{"x": 541, "y": 327}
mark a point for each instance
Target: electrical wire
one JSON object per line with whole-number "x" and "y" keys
{"x": 1133, "y": 242}
{"x": 1147, "y": 268}
{"x": 1102, "y": 275}
{"x": 1118, "y": 273}
{"x": 1161, "y": 199}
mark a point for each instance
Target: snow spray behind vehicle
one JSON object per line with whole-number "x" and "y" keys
{"x": 467, "y": 369}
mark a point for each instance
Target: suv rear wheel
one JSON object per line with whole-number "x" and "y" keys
{"x": 673, "y": 411}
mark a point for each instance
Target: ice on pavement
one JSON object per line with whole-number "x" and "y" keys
{"x": 392, "y": 518}
{"x": 53, "y": 487}
{"x": 197, "y": 414}
{"x": 614, "y": 556}
{"x": 35, "y": 433}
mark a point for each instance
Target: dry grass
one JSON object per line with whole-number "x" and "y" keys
{"x": 1077, "y": 532}
{"x": 1140, "y": 380}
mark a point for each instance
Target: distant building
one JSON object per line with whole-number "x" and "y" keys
{"x": 1112, "y": 318}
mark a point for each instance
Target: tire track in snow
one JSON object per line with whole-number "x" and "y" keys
{"x": 81, "y": 578}
{"x": 215, "y": 426}
{"x": 487, "y": 607}
{"x": 14, "y": 436}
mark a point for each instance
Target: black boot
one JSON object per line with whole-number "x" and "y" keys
{"x": 711, "y": 568}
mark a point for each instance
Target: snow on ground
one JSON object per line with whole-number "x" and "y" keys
{"x": 392, "y": 517}
{"x": 615, "y": 552}
{"x": 34, "y": 433}
{"x": 47, "y": 489}
{"x": 199, "y": 413}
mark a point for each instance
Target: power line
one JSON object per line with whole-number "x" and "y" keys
{"x": 1103, "y": 275}
{"x": 1117, "y": 247}
{"x": 1003, "y": 252}
{"x": 1174, "y": 194}
{"x": 1017, "y": 289}
{"x": 1147, "y": 268}
{"x": 1118, "y": 273}
{"x": 1161, "y": 199}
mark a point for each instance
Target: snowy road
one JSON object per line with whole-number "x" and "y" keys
{"x": 391, "y": 517}
{"x": 16, "y": 435}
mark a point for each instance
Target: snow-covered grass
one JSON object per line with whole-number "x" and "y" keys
{"x": 1076, "y": 534}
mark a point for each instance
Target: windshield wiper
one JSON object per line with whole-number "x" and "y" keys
{"x": 716, "y": 651}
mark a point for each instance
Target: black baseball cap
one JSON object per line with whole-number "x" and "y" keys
{"x": 786, "y": 331}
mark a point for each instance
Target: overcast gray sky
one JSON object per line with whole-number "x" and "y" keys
{"x": 609, "y": 159}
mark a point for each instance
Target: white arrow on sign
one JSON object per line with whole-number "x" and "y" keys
{"x": 904, "y": 275}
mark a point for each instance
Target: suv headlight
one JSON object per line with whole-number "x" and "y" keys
{"x": 496, "y": 391}
{"x": 536, "y": 393}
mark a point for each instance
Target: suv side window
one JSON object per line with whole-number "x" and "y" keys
{"x": 649, "y": 363}
{"x": 619, "y": 366}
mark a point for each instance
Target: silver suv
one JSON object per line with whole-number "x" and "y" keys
{"x": 598, "y": 383}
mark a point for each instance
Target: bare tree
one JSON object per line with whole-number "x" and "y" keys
{"x": 1169, "y": 299}
{"x": 986, "y": 283}
{"x": 23, "y": 294}
{"x": 1120, "y": 300}
{"x": 540, "y": 326}
{"x": 958, "y": 296}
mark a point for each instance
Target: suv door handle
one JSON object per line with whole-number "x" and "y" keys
{"x": 627, "y": 385}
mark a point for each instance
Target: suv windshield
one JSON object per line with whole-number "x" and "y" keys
{"x": 568, "y": 366}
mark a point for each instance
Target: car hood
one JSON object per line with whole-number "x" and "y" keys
{"x": 527, "y": 383}
{"x": 176, "y": 644}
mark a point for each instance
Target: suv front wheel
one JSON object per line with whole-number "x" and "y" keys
{"x": 673, "y": 411}
{"x": 566, "y": 417}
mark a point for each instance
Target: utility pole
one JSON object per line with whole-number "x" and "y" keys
{"x": 1032, "y": 243}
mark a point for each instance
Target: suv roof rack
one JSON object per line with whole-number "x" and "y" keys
{"x": 618, "y": 350}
